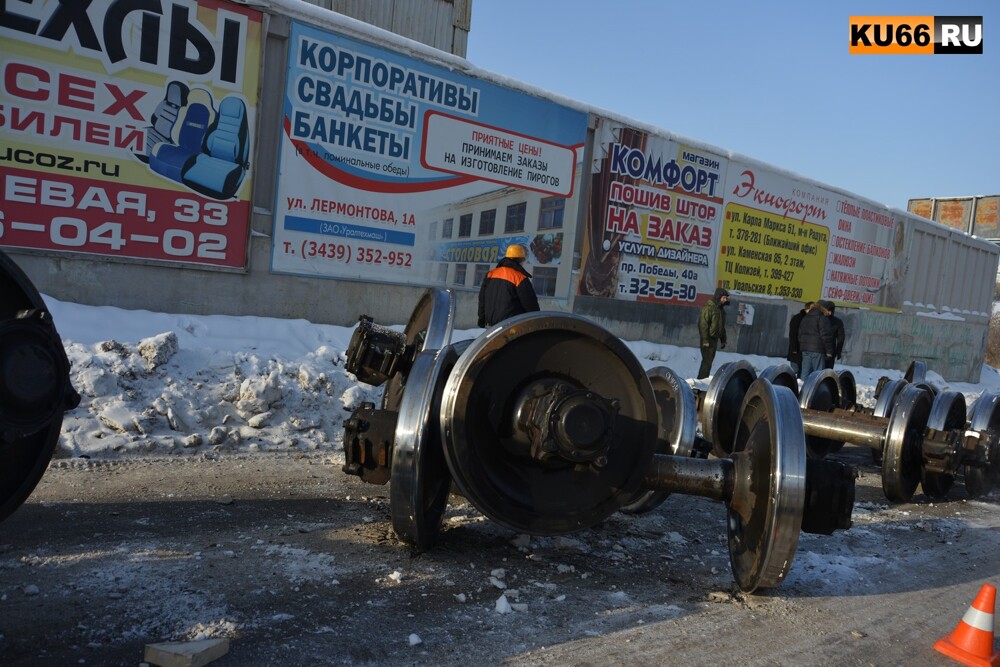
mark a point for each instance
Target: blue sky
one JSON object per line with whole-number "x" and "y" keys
{"x": 773, "y": 81}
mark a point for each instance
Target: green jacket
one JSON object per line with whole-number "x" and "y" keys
{"x": 712, "y": 324}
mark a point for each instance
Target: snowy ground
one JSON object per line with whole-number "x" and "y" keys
{"x": 153, "y": 383}
{"x": 197, "y": 492}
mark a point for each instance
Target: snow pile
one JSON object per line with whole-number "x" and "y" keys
{"x": 157, "y": 396}
{"x": 160, "y": 384}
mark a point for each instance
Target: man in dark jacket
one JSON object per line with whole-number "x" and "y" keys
{"x": 815, "y": 339}
{"x": 794, "y": 353}
{"x": 837, "y": 326}
{"x": 507, "y": 290}
{"x": 712, "y": 329}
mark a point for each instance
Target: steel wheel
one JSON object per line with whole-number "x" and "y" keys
{"x": 902, "y": 461}
{"x": 916, "y": 372}
{"x": 35, "y": 388}
{"x": 488, "y": 451}
{"x": 985, "y": 415}
{"x": 947, "y": 413}
{"x": 821, "y": 392}
{"x": 677, "y": 423}
{"x": 781, "y": 375}
{"x": 420, "y": 481}
{"x": 722, "y": 404}
{"x": 765, "y": 514}
{"x": 883, "y": 409}
{"x": 429, "y": 328}
{"x": 848, "y": 390}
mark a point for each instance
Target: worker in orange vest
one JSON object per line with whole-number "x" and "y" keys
{"x": 507, "y": 290}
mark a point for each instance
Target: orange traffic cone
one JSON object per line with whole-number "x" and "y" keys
{"x": 971, "y": 642}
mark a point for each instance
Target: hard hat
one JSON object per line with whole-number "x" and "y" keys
{"x": 516, "y": 251}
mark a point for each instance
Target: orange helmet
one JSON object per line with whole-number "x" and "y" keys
{"x": 516, "y": 251}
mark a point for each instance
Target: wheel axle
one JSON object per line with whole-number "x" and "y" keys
{"x": 547, "y": 424}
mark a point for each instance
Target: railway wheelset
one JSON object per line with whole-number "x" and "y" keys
{"x": 919, "y": 435}
{"x": 35, "y": 388}
{"x": 548, "y": 424}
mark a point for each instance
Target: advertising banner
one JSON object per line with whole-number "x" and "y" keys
{"x": 393, "y": 169}
{"x": 127, "y": 128}
{"x": 669, "y": 223}
{"x": 785, "y": 238}
{"x": 653, "y": 223}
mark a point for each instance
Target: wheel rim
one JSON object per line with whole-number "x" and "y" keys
{"x": 722, "y": 404}
{"x": 901, "y": 458}
{"x": 948, "y": 412}
{"x": 676, "y": 429}
{"x": 429, "y": 328}
{"x": 781, "y": 375}
{"x": 770, "y": 460}
{"x": 486, "y": 453}
{"x": 33, "y": 437}
{"x": 420, "y": 480}
{"x": 821, "y": 391}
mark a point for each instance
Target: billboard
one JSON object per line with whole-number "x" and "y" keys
{"x": 654, "y": 218}
{"x": 668, "y": 223}
{"x": 392, "y": 169}
{"x": 127, "y": 128}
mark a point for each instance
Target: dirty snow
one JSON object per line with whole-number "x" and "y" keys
{"x": 160, "y": 385}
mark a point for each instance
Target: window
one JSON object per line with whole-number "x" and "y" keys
{"x": 515, "y": 218}
{"x": 432, "y": 235}
{"x": 481, "y": 271}
{"x": 446, "y": 228}
{"x": 460, "y": 275}
{"x": 543, "y": 279}
{"x": 487, "y": 221}
{"x": 465, "y": 225}
{"x": 442, "y": 272}
{"x": 550, "y": 215}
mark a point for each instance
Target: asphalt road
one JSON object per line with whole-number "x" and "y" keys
{"x": 297, "y": 564}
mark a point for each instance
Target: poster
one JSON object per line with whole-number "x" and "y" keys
{"x": 653, "y": 221}
{"x": 392, "y": 169}
{"x": 128, "y": 128}
{"x": 783, "y": 237}
{"x": 668, "y": 223}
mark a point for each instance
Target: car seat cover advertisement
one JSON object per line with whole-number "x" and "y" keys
{"x": 380, "y": 151}
{"x": 127, "y": 131}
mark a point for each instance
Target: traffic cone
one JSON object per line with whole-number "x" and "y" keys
{"x": 971, "y": 642}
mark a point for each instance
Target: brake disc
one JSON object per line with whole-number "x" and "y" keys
{"x": 722, "y": 404}
{"x": 429, "y": 328}
{"x": 765, "y": 514}
{"x": 821, "y": 391}
{"x": 676, "y": 428}
{"x": 985, "y": 416}
{"x": 485, "y": 443}
{"x": 420, "y": 481}
{"x": 902, "y": 460}
{"x": 948, "y": 413}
